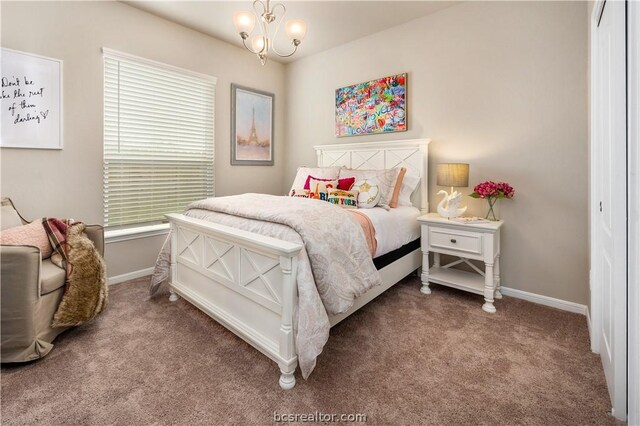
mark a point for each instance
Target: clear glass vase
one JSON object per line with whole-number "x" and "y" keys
{"x": 491, "y": 213}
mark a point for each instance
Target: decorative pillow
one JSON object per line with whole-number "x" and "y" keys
{"x": 409, "y": 185}
{"x": 344, "y": 184}
{"x": 344, "y": 199}
{"x": 319, "y": 172}
{"x": 385, "y": 179}
{"x": 396, "y": 189}
{"x": 9, "y": 217}
{"x": 32, "y": 234}
{"x": 319, "y": 189}
{"x": 368, "y": 193}
{"x": 299, "y": 193}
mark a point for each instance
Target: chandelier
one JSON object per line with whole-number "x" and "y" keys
{"x": 261, "y": 44}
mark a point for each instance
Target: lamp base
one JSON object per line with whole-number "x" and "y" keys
{"x": 449, "y": 206}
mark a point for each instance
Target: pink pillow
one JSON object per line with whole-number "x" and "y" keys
{"x": 32, "y": 234}
{"x": 344, "y": 183}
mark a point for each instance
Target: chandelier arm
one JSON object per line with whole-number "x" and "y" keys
{"x": 275, "y": 34}
{"x": 255, "y": 9}
{"x": 265, "y": 39}
{"x": 261, "y": 24}
{"x": 295, "y": 49}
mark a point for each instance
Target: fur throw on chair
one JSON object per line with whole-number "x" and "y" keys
{"x": 86, "y": 292}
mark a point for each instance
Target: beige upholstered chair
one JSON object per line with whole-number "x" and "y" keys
{"x": 31, "y": 291}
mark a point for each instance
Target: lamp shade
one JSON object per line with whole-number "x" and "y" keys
{"x": 453, "y": 174}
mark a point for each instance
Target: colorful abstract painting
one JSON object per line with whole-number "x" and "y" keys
{"x": 377, "y": 106}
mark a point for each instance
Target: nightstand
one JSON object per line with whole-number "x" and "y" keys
{"x": 467, "y": 241}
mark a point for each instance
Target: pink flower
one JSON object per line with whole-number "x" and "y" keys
{"x": 491, "y": 189}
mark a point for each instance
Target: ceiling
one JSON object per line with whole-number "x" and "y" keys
{"x": 330, "y": 23}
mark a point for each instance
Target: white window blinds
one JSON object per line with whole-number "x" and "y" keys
{"x": 158, "y": 139}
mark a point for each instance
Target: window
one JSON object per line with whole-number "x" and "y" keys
{"x": 158, "y": 139}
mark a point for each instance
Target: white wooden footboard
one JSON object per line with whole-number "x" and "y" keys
{"x": 245, "y": 281}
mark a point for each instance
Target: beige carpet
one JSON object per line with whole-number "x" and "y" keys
{"x": 405, "y": 358}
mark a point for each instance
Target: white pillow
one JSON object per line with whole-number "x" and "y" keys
{"x": 368, "y": 193}
{"x": 409, "y": 185}
{"x": 318, "y": 172}
{"x": 385, "y": 179}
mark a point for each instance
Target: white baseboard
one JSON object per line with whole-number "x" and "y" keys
{"x": 586, "y": 314}
{"x": 545, "y": 300}
{"x": 130, "y": 276}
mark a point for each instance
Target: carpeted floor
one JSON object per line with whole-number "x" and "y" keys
{"x": 405, "y": 358}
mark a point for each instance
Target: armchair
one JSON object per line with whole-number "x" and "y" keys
{"x": 30, "y": 291}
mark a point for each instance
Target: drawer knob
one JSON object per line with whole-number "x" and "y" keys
{"x": 453, "y": 240}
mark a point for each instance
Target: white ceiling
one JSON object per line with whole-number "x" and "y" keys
{"x": 329, "y": 23}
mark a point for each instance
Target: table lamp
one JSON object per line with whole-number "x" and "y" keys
{"x": 452, "y": 175}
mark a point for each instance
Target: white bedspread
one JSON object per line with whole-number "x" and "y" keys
{"x": 394, "y": 227}
{"x": 334, "y": 266}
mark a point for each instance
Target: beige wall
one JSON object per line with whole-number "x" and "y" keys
{"x": 500, "y": 85}
{"x": 68, "y": 183}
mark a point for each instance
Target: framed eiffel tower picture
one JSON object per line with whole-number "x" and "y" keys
{"x": 251, "y": 126}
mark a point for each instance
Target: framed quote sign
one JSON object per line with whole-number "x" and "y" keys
{"x": 376, "y": 106}
{"x": 31, "y": 101}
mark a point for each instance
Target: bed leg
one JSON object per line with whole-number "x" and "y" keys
{"x": 173, "y": 296}
{"x": 287, "y": 379}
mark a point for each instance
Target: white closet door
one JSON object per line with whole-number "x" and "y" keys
{"x": 609, "y": 263}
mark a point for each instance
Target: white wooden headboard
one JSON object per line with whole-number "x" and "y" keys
{"x": 411, "y": 154}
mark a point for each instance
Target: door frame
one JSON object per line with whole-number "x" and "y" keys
{"x": 633, "y": 154}
{"x": 595, "y": 315}
{"x": 621, "y": 230}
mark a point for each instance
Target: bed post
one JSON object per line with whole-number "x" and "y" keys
{"x": 287, "y": 349}
{"x": 319, "y": 157}
{"x": 173, "y": 296}
{"x": 424, "y": 186}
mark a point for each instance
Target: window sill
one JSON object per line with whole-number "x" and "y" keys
{"x": 117, "y": 235}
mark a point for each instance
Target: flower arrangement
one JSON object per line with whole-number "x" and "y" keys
{"x": 492, "y": 192}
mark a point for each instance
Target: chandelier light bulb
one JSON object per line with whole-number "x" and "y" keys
{"x": 257, "y": 43}
{"x": 244, "y": 22}
{"x": 296, "y": 29}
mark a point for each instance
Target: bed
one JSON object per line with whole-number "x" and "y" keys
{"x": 212, "y": 263}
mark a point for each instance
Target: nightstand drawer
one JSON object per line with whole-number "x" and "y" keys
{"x": 454, "y": 240}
